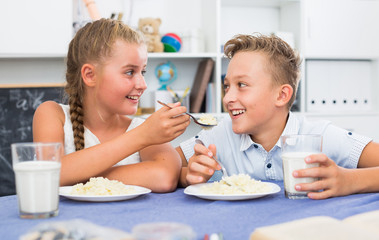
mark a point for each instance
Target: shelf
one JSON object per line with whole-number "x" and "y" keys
{"x": 31, "y": 56}
{"x": 182, "y": 55}
{"x": 341, "y": 114}
{"x": 256, "y": 3}
{"x": 346, "y": 57}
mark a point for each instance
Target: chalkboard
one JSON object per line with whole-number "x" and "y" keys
{"x": 17, "y": 106}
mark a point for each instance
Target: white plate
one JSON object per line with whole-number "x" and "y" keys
{"x": 65, "y": 192}
{"x": 194, "y": 190}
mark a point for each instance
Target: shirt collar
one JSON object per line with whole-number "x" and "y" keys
{"x": 292, "y": 127}
{"x": 246, "y": 142}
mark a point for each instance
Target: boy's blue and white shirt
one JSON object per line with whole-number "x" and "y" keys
{"x": 239, "y": 154}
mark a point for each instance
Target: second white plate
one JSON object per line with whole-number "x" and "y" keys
{"x": 65, "y": 192}
{"x": 194, "y": 190}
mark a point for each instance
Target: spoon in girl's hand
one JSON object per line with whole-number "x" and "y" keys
{"x": 193, "y": 118}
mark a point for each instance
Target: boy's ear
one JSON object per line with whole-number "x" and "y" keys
{"x": 284, "y": 94}
{"x": 88, "y": 74}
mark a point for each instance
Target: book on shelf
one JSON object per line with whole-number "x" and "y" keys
{"x": 359, "y": 226}
{"x": 200, "y": 84}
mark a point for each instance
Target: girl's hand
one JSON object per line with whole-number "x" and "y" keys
{"x": 333, "y": 180}
{"x": 165, "y": 124}
{"x": 201, "y": 166}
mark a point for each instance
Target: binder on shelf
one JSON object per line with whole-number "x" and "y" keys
{"x": 210, "y": 98}
{"x": 199, "y": 87}
{"x": 223, "y": 108}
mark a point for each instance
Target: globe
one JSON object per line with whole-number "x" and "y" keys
{"x": 166, "y": 74}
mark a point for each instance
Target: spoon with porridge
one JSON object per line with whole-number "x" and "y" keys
{"x": 206, "y": 121}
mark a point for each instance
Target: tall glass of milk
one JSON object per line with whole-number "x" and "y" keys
{"x": 295, "y": 148}
{"x": 37, "y": 170}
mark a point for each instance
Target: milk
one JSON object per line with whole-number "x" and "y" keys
{"x": 37, "y": 186}
{"x": 294, "y": 161}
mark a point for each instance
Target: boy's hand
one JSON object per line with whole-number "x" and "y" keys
{"x": 201, "y": 166}
{"x": 333, "y": 180}
{"x": 165, "y": 124}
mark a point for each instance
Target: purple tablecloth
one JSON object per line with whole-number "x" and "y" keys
{"x": 234, "y": 219}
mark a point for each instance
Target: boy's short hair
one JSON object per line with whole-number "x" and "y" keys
{"x": 284, "y": 62}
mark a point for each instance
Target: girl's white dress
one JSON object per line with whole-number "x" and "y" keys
{"x": 90, "y": 139}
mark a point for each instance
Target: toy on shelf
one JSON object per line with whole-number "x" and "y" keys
{"x": 166, "y": 74}
{"x": 150, "y": 29}
{"x": 92, "y": 9}
{"x": 171, "y": 42}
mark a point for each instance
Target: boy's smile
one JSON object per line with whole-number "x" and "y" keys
{"x": 237, "y": 112}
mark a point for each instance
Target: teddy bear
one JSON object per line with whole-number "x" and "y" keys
{"x": 150, "y": 28}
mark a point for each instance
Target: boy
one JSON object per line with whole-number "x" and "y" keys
{"x": 260, "y": 87}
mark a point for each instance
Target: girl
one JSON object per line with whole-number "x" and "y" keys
{"x": 106, "y": 63}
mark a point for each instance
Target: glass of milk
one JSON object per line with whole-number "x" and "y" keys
{"x": 37, "y": 169}
{"x": 295, "y": 148}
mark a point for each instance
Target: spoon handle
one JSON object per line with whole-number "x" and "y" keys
{"x": 223, "y": 170}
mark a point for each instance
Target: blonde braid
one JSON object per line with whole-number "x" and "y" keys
{"x": 76, "y": 116}
{"x": 76, "y": 108}
{"x": 75, "y": 89}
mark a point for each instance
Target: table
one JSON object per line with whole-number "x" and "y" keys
{"x": 235, "y": 219}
